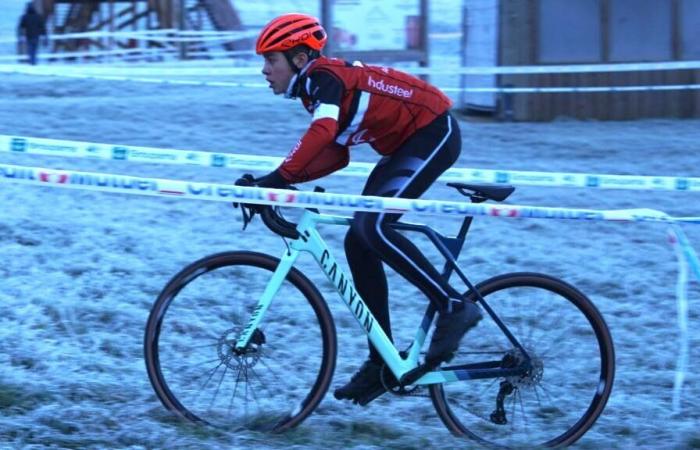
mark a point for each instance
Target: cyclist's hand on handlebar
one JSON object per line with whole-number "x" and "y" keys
{"x": 248, "y": 210}
{"x": 245, "y": 180}
{"x": 272, "y": 180}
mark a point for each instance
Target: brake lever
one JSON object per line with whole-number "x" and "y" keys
{"x": 248, "y": 214}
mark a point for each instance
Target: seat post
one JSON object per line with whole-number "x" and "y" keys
{"x": 465, "y": 227}
{"x": 456, "y": 248}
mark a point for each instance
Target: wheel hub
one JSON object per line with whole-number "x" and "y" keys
{"x": 235, "y": 358}
{"x": 532, "y": 377}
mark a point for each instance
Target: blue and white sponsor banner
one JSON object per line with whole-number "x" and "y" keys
{"x": 264, "y": 164}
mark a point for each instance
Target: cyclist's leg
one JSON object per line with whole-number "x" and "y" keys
{"x": 408, "y": 173}
{"x": 361, "y": 249}
{"x": 370, "y": 281}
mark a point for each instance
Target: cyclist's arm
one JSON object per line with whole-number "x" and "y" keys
{"x": 316, "y": 154}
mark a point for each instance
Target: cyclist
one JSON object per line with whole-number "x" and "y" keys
{"x": 404, "y": 119}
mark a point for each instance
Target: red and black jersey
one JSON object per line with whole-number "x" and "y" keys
{"x": 353, "y": 104}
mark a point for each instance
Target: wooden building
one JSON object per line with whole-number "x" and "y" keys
{"x": 81, "y": 16}
{"x": 555, "y": 32}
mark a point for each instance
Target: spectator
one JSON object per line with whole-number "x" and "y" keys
{"x": 31, "y": 27}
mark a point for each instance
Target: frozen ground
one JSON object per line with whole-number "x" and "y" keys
{"x": 80, "y": 270}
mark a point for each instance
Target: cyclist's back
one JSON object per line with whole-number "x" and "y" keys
{"x": 385, "y": 105}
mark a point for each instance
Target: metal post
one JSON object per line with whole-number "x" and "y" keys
{"x": 327, "y": 22}
{"x": 181, "y": 26}
{"x": 110, "y": 56}
{"x": 424, "y": 22}
{"x": 463, "y": 45}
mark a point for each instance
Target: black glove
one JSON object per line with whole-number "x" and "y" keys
{"x": 248, "y": 210}
{"x": 272, "y": 180}
{"x": 246, "y": 180}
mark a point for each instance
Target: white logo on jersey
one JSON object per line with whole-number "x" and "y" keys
{"x": 294, "y": 150}
{"x": 392, "y": 89}
{"x": 359, "y": 137}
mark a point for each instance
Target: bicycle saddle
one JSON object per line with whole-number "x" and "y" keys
{"x": 482, "y": 192}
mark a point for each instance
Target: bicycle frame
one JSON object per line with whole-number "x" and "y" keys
{"x": 311, "y": 241}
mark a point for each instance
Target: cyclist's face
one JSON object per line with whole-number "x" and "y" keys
{"x": 277, "y": 72}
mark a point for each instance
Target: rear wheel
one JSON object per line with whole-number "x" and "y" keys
{"x": 570, "y": 376}
{"x": 192, "y": 363}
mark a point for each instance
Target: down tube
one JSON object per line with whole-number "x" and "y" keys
{"x": 357, "y": 306}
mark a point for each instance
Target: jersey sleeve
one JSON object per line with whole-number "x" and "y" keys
{"x": 316, "y": 154}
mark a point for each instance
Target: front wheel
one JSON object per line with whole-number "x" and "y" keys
{"x": 192, "y": 363}
{"x": 570, "y": 375}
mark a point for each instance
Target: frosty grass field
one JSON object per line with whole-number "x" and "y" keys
{"x": 80, "y": 270}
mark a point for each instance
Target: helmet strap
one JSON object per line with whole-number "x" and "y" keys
{"x": 294, "y": 88}
{"x": 290, "y": 59}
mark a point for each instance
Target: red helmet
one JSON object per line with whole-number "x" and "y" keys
{"x": 290, "y": 30}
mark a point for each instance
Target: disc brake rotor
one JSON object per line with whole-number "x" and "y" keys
{"x": 237, "y": 359}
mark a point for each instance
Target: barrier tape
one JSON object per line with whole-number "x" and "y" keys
{"x": 91, "y": 54}
{"x": 204, "y": 71}
{"x": 481, "y": 70}
{"x": 144, "y": 34}
{"x": 151, "y": 80}
{"x": 686, "y": 257}
{"x": 502, "y": 70}
{"x": 575, "y": 89}
{"x": 345, "y": 202}
{"x": 95, "y": 56}
{"x": 148, "y": 35}
{"x": 228, "y": 193}
{"x": 80, "y": 149}
{"x": 472, "y": 70}
{"x": 91, "y": 74}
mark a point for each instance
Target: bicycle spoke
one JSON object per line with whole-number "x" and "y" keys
{"x": 270, "y": 369}
{"x": 235, "y": 389}
{"x": 556, "y": 341}
{"x": 211, "y": 374}
{"x": 213, "y": 344}
{"x": 549, "y": 401}
{"x": 207, "y": 362}
{"x": 519, "y": 397}
{"x": 205, "y": 306}
{"x": 218, "y": 386}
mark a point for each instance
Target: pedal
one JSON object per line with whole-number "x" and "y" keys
{"x": 372, "y": 395}
{"x": 386, "y": 385}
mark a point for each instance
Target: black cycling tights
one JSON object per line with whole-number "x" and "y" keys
{"x": 407, "y": 173}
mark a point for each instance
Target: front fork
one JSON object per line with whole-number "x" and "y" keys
{"x": 278, "y": 277}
